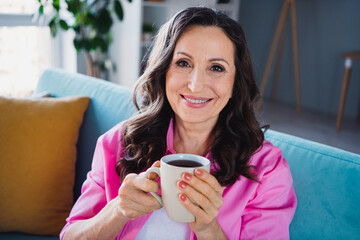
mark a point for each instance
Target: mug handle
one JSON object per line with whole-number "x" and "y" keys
{"x": 155, "y": 195}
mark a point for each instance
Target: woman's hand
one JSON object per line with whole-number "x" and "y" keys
{"x": 132, "y": 202}
{"x": 204, "y": 189}
{"x": 133, "y": 199}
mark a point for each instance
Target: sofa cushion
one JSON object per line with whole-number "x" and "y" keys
{"x": 110, "y": 104}
{"x": 37, "y": 155}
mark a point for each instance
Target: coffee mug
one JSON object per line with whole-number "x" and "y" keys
{"x": 171, "y": 169}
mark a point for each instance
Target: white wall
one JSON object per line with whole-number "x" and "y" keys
{"x": 125, "y": 50}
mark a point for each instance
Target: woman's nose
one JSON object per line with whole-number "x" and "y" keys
{"x": 196, "y": 81}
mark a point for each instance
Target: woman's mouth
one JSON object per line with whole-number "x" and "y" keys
{"x": 196, "y": 101}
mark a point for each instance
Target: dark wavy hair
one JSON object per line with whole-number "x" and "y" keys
{"x": 236, "y": 135}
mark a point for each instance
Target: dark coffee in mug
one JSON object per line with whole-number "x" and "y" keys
{"x": 185, "y": 163}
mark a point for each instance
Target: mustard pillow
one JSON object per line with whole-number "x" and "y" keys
{"x": 37, "y": 162}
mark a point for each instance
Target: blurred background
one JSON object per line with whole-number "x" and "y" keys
{"x": 325, "y": 30}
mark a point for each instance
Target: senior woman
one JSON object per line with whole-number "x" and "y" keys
{"x": 196, "y": 96}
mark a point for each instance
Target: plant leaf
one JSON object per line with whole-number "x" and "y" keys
{"x": 56, "y": 5}
{"x": 76, "y": 28}
{"x": 99, "y": 42}
{"x": 63, "y": 25}
{"x": 82, "y": 43}
{"x": 103, "y": 21}
{"x": 129, "y": 1}
{"x": 86, "y": 44}
{"x": 89, "y": 18}
{"x": 53, "y": 28}
{"x": 77, "y": 44}
{"x": 41, "y": 9}
{"x": 119, "y": 10}
{"x": 73, "y": 6}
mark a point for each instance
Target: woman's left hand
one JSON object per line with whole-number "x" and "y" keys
{"x": 205, "y": 190}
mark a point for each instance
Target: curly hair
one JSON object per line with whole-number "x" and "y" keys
{"x": 236, "y": 135}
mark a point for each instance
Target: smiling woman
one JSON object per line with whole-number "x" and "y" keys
{"x": 196, "y": 96}
{"x": 200, "y": 80}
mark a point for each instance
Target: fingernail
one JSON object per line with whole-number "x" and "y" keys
{"x": 182, "y": 197}
{"x": 199, "y": 172}
{"x": 187, "y": 176}
{"x": 182, "y": 184}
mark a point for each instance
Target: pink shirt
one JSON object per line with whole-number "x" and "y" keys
{"x": 250, "y": 210}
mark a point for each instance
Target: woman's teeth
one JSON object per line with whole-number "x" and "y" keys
{"x": 195, "y": 101}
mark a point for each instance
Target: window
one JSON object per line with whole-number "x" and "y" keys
{"x": 24, "y": 54}
{"x": 17, "y": 6}
{"x": 27, "y": 48}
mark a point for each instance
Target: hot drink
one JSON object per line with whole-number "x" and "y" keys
{"x": 185, "y": 163}
{"x": 172, "y": 167}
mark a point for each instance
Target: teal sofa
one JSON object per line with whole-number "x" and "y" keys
{"x": 326, "y": 179}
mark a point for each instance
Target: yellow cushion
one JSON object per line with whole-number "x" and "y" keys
{"x": 37, "y": 162}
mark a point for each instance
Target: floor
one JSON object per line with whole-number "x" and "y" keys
{"x": 311, "y": 125}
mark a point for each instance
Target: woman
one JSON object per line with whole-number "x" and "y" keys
{"x": 196, "y": 96}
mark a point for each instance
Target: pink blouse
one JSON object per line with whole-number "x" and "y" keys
{"x": 250, "y": 210}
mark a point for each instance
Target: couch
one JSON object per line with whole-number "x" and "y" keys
{"x": 326, "y": 179}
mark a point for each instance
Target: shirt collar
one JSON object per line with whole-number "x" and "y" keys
{"x": 170, "y": 138}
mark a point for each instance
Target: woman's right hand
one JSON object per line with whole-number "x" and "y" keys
{"x": 133, "y": 200}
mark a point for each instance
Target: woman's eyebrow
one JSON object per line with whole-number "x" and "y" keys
{"x": 184, "y": 53}
{"x": 219, "y": 59}
{"x": 211, "y": 60}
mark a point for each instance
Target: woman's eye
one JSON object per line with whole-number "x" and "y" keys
{"x": 217, "y": 68}
{"x": 182, "y": 63}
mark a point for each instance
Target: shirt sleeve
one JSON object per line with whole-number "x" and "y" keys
{"x": 93, "y": 197}
{"x": 269, "y": 212}
{"x": 102, "y": 182}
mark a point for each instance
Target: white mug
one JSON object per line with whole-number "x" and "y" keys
{"x": 171, "y": 169}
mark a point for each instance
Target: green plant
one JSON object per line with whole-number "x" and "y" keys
{"x": 91, "y": 20}
{"x": 148, "y": 28}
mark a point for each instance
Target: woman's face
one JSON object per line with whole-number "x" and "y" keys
{"x": 200, "y": 78}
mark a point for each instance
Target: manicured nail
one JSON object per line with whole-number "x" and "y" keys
{"x": 182, "y": 197}
{"x": 199, "y": 172}
{"x": 182, "y": 184}
{"x": 187, "y": 176}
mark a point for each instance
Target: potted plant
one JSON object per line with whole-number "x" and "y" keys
{"x": 91, "y": 20}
